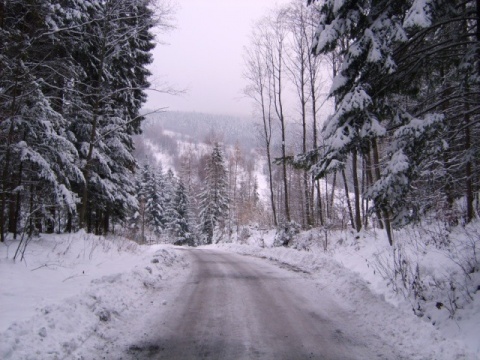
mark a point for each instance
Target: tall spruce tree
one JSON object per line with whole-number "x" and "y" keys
{"x": 37, "y": 157}
{"x": 179, "y": 219}
{"x": 154, "y": 207}
{"x": 214, "y": 198}
{"x": 113, "y": 52}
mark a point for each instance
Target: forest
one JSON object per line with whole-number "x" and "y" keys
{"x": 72, "y": 81}
{"x": 366, "y": 115}
{"x": 393, "y": 144}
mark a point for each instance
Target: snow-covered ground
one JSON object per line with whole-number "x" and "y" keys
{"x": 72, "y": 294}
{"x": 77, "y": 296}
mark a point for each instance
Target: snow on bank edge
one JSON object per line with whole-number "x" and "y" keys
{"x": 72, "y": 290}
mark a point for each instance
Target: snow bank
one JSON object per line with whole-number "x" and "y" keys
{"x": 70, "y": 291}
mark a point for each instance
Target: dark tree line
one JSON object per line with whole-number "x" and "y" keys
{"x": 72, "y": 81}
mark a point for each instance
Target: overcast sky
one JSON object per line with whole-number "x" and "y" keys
{"x": 204, "y": 55}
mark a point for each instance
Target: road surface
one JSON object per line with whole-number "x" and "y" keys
{"x": 240, "y": 307}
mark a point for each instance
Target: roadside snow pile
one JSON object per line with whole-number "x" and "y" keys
{"x": 70, "y": 290}
{"x": 419, "y": 276}
{"x": 438, "y": 273}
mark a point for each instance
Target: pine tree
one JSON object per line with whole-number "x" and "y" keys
{"x": 37, "y": 149}
{"x": 214, "y": 197}
{"x": 179, "y": 223}
{"x": 189, "y": 180}
{"x": 407, "y": 75}
{"x": 154, "y": 206}
{"x": 72, "y": 73}
{"x": 112, "y": 50}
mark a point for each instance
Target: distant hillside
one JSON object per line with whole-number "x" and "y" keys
{"x": 200, "y": 127}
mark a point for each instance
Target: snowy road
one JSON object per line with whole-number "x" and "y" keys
{"x": 238, "y": 307}
{"x": 92, "y": 298}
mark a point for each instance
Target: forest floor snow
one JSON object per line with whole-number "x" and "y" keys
{"x": 73, "y": 296}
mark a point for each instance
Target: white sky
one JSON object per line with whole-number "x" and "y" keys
{"x": 204, "y": 56}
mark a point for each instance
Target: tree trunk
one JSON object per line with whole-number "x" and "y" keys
{"x": 370, "y": 182}
{"x": 319, "y": 202}
{"x": 468, "y": 171}
{"x": 18, "y": 202}
{"x": 272, "y": 195}
{"x": 106, "y": 222}
{"x": 332, "y": 196}
{"x": 364, "y": 189}
{"x": 6, "y": 183}
{"x": 50, "y": 222}
{"x": 386, "y": 215}
{"x": 304, "y": 148}
{"x": 313, "y": 95}
{"x": 30, "y": 217}
{"x": 93, "y": 136}
{"x": 350, "y": 213}
{"x": 69, "y": 226}
{"x": 327, "y": 202}
{"x": 284, "y": 163}
{"x": 285, "y": 176}
{"x": 356, "y": 189}
{"x": 12, "y": 227}
{"x": 306, "y": 187}
{"x": 388, "y": 227}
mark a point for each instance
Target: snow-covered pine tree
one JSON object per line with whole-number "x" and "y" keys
{"x": 179, "y": 219}
{"x": 214, "y": 197}
{"x": 448, "y": 84}
{"x": 168, "y": 196}
{"x": 84, "y": 63}
{"x": 188, "y": 177}
{"x": 154, "y": 205}
{"x": 386, "y": 104}
{"x": 37, "y": 156}
{"x": 148, "y": 219}
{"x": 364, "y": 35}
{"x": 113, "y": 51}
{"x": 136, "y": 220}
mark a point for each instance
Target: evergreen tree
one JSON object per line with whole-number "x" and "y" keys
{"x": 168, "y": 196}
{"x": 189, "y": 180}
{"x": 113, "y": 51}
{"x": 214, "y": 197}
{"x": 365, "y": 44}
{"x": 71, "y": 73}
{"x": 407, "y": 71}
{"x": 154, "y": 206}
{"x": 179, "y": 223}
{"x": 38, "y": 159}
